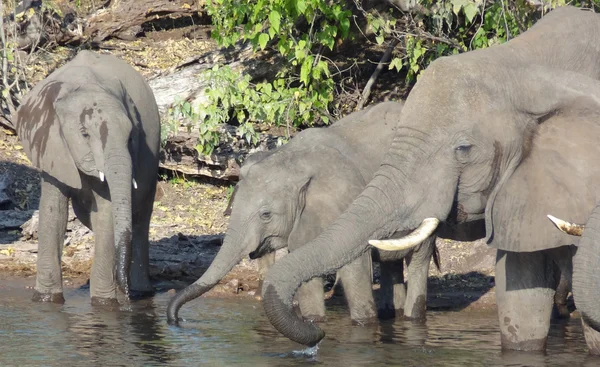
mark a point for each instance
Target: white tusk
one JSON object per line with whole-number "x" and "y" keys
{"x": 134, "y": 184}
{"x": 569, "y": 228}
{"x": 101, "y": 174}
{"x": 410, "y": 240}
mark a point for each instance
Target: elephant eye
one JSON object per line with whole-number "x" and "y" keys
{"x": 464, "y": 148}
{"x": 266, "y": 215}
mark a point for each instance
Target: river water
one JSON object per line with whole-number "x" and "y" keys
{"x": 219, "y": 332}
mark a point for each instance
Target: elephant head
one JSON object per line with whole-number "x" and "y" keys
{"x": 466, "y": 126}
{"x": 283, "y": 199}
{"x": 83, "y": 131}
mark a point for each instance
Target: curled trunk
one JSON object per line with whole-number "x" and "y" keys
{"x": 119, "y": 177}
{"x": 344, "y": 241}
{"x": 229, "y": 255}
{"x": 586, "y": 277}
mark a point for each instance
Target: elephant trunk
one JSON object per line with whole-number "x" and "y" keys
{"x": 342, "y": 242}
{"x": 119, "y": 177}
{"x": 586, "y": 278}
{"x": 230, "y": 254}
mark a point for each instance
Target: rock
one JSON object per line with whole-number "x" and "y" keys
{"x": 6, "y": 201}
{"x": 14, "y": 219}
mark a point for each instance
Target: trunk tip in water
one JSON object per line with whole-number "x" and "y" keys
{"x": 286, "y": 322}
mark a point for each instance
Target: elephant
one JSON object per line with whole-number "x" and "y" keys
{"x": 92, "y": 128}
{"x": 469, "y": 129}
{"x": 287, "y": 196}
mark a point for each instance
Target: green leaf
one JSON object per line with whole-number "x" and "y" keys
{"x": 457, "y": 5}
{"x": 345, "y": 27}
{"x": 275, "y": 19}
{"x": 305, "y": 70}
{"x": 470, "y": 11}
{"x": 379, "y": 39}
{"x": 301, "y": 6}
{"x": 262, "y": 40}
{"x": 396, "y": 63}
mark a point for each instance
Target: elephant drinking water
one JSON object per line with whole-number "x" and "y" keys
{"x": 286, "y": 197}
{"x": 468, "y": 125}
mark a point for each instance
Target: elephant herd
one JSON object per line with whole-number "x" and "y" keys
{"x": 487, "y": 144}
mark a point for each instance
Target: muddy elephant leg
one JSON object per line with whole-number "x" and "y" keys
{"x": 139, "y": 272}
{"x": 311, "y": 300}
{"x": 264, "y": 263}
{"x": 415, "y": 307}
{"x": 357, "y": 281}
{"x": 103, "y": 283}
{"x": 560, "y": 310}
{"x": 51, "y": 233}
{"x": 524, "y": 294}
{"x": 392, "y": 293}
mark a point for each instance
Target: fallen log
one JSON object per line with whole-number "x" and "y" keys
{"x": 124, "y": 19}
{"x": 179, "y": 154}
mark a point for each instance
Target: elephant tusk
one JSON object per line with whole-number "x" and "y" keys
{"x": 101, "y": 175}
{"x": 134, "y": 184}
{"x": 411, "y": 240}
{"x": 569, "y": 228}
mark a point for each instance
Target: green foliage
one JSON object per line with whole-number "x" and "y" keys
{"x": 234, "y": 97}
{"x": 301, "y": 90}
{"x": 301, "y": 31}
{"x": 453, "y": 26}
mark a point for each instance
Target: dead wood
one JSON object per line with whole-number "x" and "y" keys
{"x": 123, "y": 19}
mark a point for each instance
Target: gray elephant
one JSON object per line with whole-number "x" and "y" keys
{"x": 92, "y": 128}
{"x": 467, "y": 135}
{"x": 286, "y": 197}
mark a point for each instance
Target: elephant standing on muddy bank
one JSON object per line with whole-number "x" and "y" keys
{"x": 482, "y": 136}
{"x": 92, "y": 127}
{"x": 286, "y": 197}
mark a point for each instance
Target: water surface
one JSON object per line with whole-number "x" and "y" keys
{"x": 222, "y": 332}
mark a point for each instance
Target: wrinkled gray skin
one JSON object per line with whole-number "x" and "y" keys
{"x": 286, "y": 197}
{"x": 94, "y": 114}
{"x": 465, "y": 135}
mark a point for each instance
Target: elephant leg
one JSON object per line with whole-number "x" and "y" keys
{"x": 139, "y": 273}
{"x": 311, "y": 300}
{"x": 357, "y": 281}
{"x": 562, "y": 257}
{"x": 392, "y": 293}
{"x": 415, "y": 307}
{"x": 264, "y": 263}
{"x": 524, "y": 295}
{"x": 51, "y": 233}
{"x": 103, "y": 283}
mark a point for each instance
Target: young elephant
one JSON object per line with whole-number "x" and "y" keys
{"x": 286, "y": 197}
{"x": 92, "y": 127}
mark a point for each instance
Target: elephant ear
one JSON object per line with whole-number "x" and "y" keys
{"x": 559, "y": 177}
{"x": 549, "y": 92}
{"x": 40, "y": 132}
{"x": 324, "y": 193}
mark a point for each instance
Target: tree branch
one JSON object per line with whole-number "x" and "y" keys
{"x": 384, "y": 59}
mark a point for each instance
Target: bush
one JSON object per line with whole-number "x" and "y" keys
{"x": 303, "y": 31}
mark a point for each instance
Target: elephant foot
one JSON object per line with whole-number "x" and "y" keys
{"x": 48, "y": 297}
{"x": 592, "y": 338}
{"x": 138, "y": 295}
{"x": 365, "y": 320}
{"x": 536, "y": 345}
{"x": 315, "y": 318}
{"x": 108, "y": 303}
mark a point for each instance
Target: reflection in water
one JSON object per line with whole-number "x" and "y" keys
{"x": 236, "y": 332}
